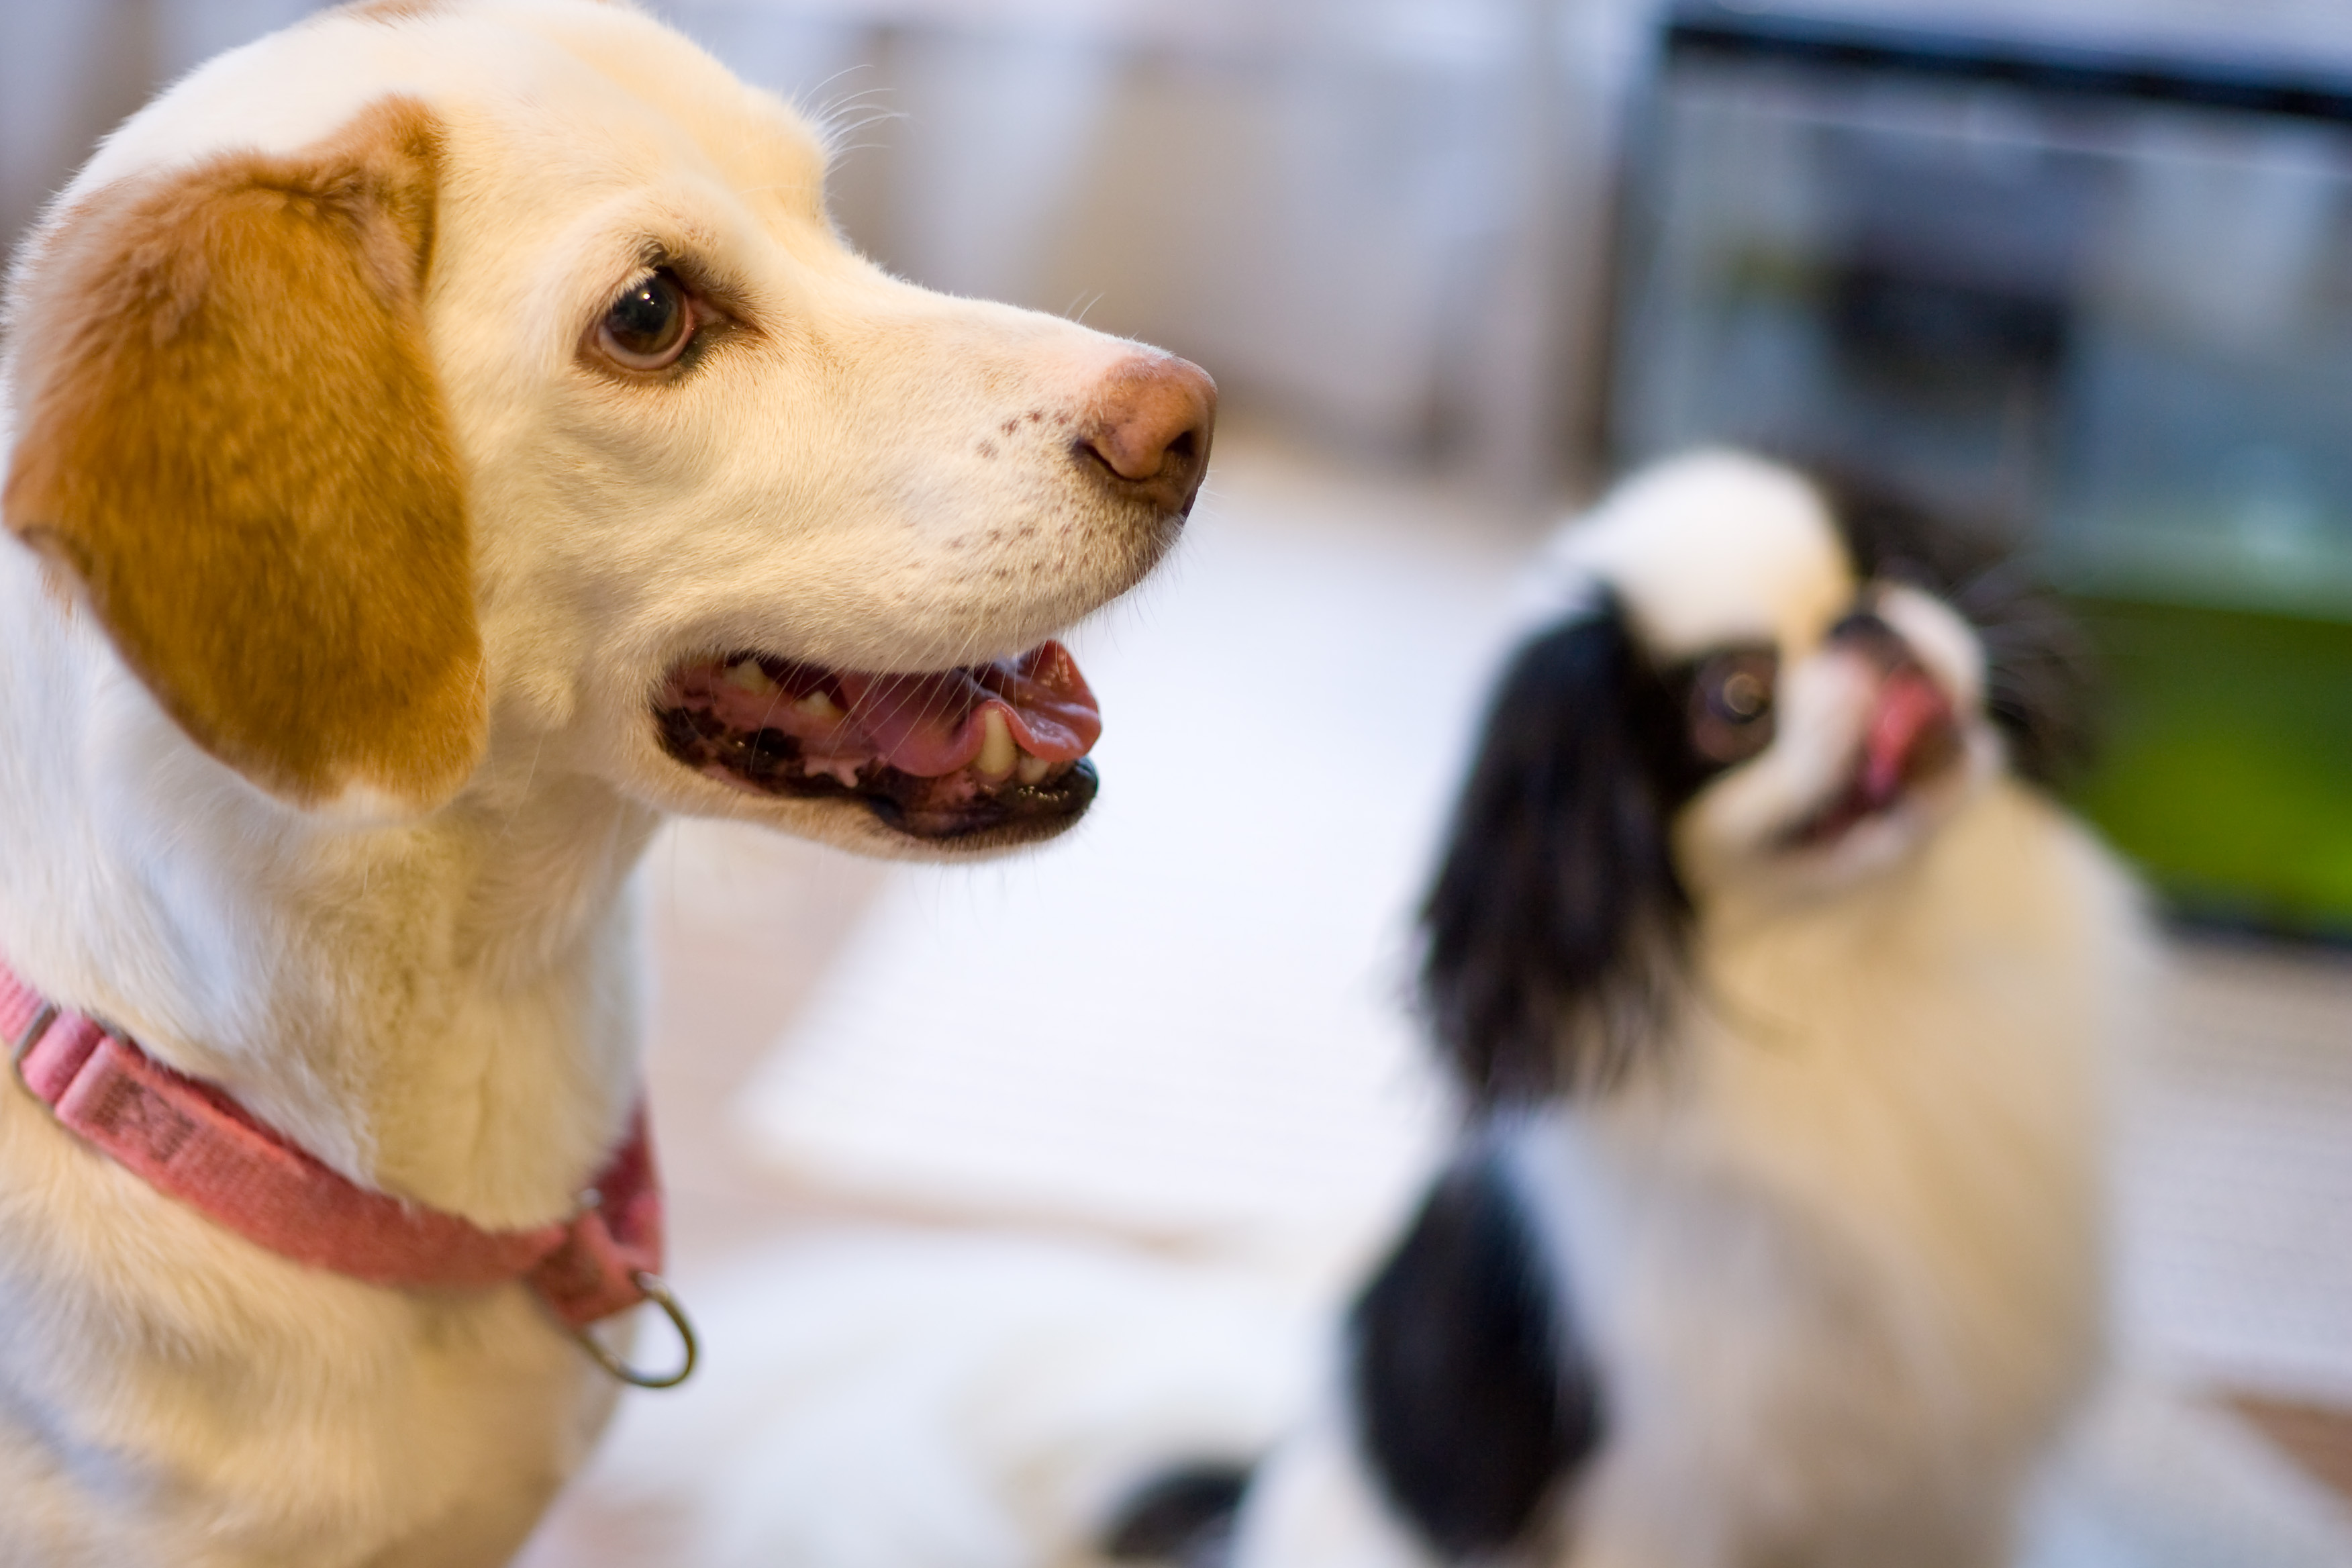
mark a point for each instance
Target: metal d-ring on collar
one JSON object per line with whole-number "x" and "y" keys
{"x": 658, "y": 1293}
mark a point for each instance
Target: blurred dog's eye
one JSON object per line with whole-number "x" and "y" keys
{"x": 1742, "y": 698}
{"x": 650, "y": 324}
{"x": 1731, "y": 704}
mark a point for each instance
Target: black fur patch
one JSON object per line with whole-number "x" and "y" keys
{"x": 2040, "y": 677}
{"x": 1473, "y": 1402}
{"x": 1183, "y": 1517}
{"x": 1557, "y": 928}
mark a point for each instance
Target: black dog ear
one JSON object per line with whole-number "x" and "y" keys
{"x": 1557, "y": 929}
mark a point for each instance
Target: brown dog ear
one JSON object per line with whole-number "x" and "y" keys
{"x": 230, "y": 434}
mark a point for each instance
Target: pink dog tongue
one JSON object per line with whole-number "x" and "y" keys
{"x": 931, "y": 725}
{"x": 1910, "y": 705}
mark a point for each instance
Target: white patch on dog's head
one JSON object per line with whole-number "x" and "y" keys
{"x": 1708, "y": 550}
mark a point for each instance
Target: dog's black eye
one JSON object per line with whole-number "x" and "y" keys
{"x": 1731, "y": 704}
{"x": 650, "y": 324}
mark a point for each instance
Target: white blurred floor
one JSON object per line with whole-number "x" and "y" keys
{"x": 2239, "y": 1173}
{"x": 1179, "y": 1028}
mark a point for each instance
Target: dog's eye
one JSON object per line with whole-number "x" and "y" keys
{"x": 1731, "y": 704}
{"x": 1742, "y": 698}
{"x": 650, "y": 324}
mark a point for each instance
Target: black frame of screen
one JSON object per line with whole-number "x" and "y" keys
{"x": 1703, "y": 28}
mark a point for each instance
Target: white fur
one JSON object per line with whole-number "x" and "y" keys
{"x": 445, "y": 1006}
{"x": 1312, "y": 1502}
{"x": 1871, "y": 1215}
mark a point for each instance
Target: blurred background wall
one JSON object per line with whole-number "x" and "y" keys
{"x": 1385, "y": 223}
{"x": 1377, "y": 220}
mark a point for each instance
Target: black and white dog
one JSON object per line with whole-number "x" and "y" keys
{"x": 1779, "y": 990}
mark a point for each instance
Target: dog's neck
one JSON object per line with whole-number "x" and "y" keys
{"x": 445, "y": 1009}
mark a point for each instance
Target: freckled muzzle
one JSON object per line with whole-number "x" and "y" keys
{"x": 936, "y": 755}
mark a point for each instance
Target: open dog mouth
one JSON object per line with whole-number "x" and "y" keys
{"x": 1913, "y": 735}
{"x": 935, "y": 755}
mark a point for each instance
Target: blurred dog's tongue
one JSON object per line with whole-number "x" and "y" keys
{"x": 1911, "y": 707}
{"x": 931, "y": 725}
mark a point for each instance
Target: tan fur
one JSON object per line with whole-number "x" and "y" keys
{"x": 234, "y": 438}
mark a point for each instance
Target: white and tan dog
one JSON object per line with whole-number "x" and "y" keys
{"x": 447, "y": 437}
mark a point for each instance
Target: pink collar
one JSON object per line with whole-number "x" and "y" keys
{"x": 191, "y": 1141}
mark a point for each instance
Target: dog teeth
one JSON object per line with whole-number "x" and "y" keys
{"x": 1033, "y": 770}
{"x": 998, "y": 754}
{"x": 817, "y": 705}
{"x": 748, "y": 676}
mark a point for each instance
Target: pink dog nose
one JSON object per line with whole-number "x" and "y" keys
{"x": 1152, "y": 436}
